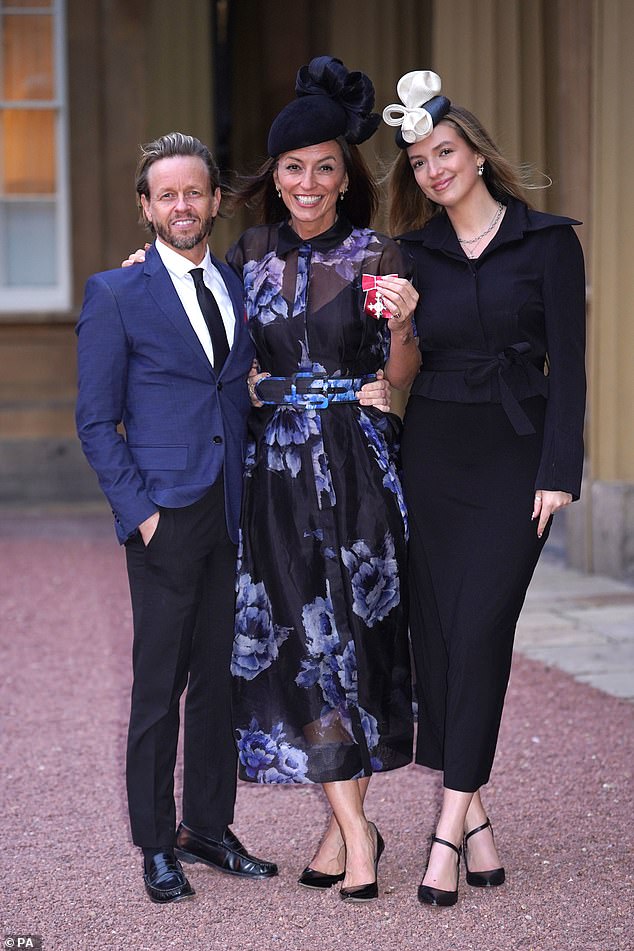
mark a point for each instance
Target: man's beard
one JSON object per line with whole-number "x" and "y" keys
{"x": 185, "y": 242}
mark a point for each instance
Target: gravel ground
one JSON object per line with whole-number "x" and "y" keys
{"x": 559, "y": 798}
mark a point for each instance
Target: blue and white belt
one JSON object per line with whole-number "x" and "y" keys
{"x": 310, "y": 390}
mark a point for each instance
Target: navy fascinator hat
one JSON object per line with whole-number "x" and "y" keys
{"x": 331, "y": 102}
{"x": 420, "y": 109}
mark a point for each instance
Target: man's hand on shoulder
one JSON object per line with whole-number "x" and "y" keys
{"x": 148, "y": 527}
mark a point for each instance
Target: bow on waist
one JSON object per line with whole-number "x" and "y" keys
{"x": 479, "y": 366}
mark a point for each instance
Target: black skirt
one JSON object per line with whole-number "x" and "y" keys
{"x": 469, "y": 483}
{"x": 322, "y": 681}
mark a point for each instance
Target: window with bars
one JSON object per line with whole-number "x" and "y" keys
{"x": 34, "y": 200}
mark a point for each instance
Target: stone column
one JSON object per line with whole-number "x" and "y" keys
{"x": 490, "y": 55}
{"x": 612, "y": 282}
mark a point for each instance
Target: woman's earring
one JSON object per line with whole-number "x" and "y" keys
{"x": 343, "y": 192}
{"x": 481, "y": 170}
{"x": 279, "y": 193}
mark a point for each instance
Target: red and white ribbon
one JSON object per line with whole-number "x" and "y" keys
{"x": 374, "y": 305}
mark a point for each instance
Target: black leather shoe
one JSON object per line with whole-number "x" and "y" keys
{"x": 371, "y": 891}
{"x": 226, "y": 854}
{"x": 428, "y": 895}
{"x": 165, "y": 880}
{"x": 311, "y": 878}
{"x": 490, "y": 878}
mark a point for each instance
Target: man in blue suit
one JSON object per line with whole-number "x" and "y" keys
{"x": 163, "y": 356}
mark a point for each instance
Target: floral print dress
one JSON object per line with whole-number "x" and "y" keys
{"x": 320, "y": 659}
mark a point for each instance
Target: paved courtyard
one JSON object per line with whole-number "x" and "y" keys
{"x": 560, "y": 795}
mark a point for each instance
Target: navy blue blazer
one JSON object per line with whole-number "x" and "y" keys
{"x": 488, "y": 327}
{"x": 141, "y": 365}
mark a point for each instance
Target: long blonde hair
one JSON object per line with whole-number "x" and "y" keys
{"x": 410, "y": 209}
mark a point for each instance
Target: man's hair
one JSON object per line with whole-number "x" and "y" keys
{"x": 169, "y": 146}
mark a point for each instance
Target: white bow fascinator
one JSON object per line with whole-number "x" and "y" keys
{"x": 421, "y": 106}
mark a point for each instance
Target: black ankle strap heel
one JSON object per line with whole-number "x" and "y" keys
{"x": 493, "y": 877}
{"x": 439, "y": 896}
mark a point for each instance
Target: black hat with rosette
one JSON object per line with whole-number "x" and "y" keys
{"x": 331, "y": 102}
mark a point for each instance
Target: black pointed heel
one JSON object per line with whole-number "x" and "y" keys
{"x": 311, "y": 878}
{"x": 371, "y": 891}
{"x": 495, "y": 876}
{"x": 428, "y": 895}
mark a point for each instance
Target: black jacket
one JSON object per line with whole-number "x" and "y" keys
{"x": 488, "y": 327}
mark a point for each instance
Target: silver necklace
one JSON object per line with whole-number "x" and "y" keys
{"x": 494, "y": 220}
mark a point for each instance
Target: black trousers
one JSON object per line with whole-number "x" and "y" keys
{"x": 182, "y": 590}
{"x": 469, "y": 483}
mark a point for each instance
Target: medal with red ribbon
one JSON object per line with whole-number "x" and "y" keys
{"x": 374, "y": 305}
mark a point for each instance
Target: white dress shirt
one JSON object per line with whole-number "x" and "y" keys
{"x": 178, "y": 268}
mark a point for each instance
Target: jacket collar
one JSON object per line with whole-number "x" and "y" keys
{"x": 438, "y": 234}
{"x": 288, "y": 240}
{"x": 161, "y": 288}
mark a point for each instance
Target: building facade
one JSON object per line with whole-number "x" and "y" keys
{"x": 84, "y": 82}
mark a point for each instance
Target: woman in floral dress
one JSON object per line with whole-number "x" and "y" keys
{"x": 320, "y": 659}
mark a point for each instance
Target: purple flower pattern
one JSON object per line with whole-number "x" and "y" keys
{"x": 353, "y": 251}
{"x": 267, "y": 758}
{"x": 257, "y": 639}
{"x": 334, "y": 671}
{"x": 323, "y": 479}
{"x": 386, "y": 461}
{"x": 288, "y": 429}
{"x": 374, "y": 579}
{"x": 324, "y": 663}
{"x": 263, "y": 289}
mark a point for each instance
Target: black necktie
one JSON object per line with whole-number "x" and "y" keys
{"x": 213, "y": 319}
